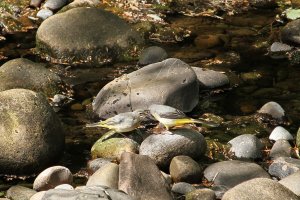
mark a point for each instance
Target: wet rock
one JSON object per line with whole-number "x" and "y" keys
{"x": 19, "y": 193}
{"x": 54, "y": 4}
{"x": 290, "y": 32}
{"x": 38, "y": 195}
{"x": 281, "y": 148}
{"x": 86, "y": 43}
{"x": 246, "y": 146}
{"x": 27, "y": 147}
{"x": 201, "y": 194}
{"x": 292, "y": 182}
{"x": 52, "y": 177}
{"x": 96, "y": 164}
{"x": 163, "y": 147}
{"x": 185, "y": 169}
{"x": 219, "y": 190}
{"x": 274, "y": 109}
{"x": 107, "y": 175}
{"x": 151, "y": 55}
{"x": 113, "y": 148}
{"x": 182, "y": 188}
{"x": 23, "y": 73}
{"x": 283, "y": 167}
{"x": 35, "y": 3}
{"x": 232, "y": 173}
{"x": 280, "y": 133}
{"x": 44, "y": 14}
{"x": 141, "y": 169}
{"x": 279, "y": 50}
{"x": 65, "y": 187}
{"x": 170, "y": 82}
{"x": 210, "y": 79}
{"x": 259, "y": 188}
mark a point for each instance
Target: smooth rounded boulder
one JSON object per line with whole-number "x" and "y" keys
{"x": 31, "y": 134}
{"x": 90, "y": 36}
{"x": 170, "y": 82}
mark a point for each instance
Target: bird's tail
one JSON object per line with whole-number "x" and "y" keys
{"x": 203, "y": 122}
{"x": 97, "y": 124}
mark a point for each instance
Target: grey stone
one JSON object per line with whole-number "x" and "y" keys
{"x": 170, "y": 82}
{"x": 210, "y": 79}
{"x": 52, "y": 177}
{"x": 35, "y": 3}
{"x": 259, "y": 188}
{"x": 279, "y": 50}
{"x": 141, "y": 178}
{"x": 94, "y": 165}
{"x": 272, "y": 108}
{"x": 55, "y": 4}
{"x": 72, "y": 37}
{"x": 201, "y": 194}
{"x": 19, "y": 193}
{"x": 163, "y": 147}
{"x": 65, "y": 187}
{"x": 23, "y": 73}
{"x": 290, "y": 33}
{"x": 281, "y": 148}
{"x": 182, "y": 188}
{"x": 280, "y": 133}
{"x": 292, "y": 182}
{"x": 32, "y": 137}
{"x": 38, "y": 195}
{"x": 185, "y": 169}
{"x": 232, "y": 173}
{"x": 219, "y": 190}
{"x": 107, "y": 175}
{"x": 283, "y": 167}
{"x": 77, "y": 3}
{"x": 44, "y": 13}
{"x": 151, "y": 55}
{"x": 246, "y": 146}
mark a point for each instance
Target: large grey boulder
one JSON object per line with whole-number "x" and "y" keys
{"x": 170, "y": 82}
{"x": 23, "y": 73}
{"x": 86, "y": 35}
{"x": 31, "y": 134}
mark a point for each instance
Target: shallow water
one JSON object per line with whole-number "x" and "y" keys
{"x": 255, "y": 77}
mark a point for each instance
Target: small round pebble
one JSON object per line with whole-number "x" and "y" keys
{"x": 182, "y": 188}
{"x": 44, "y": 14}
{"x": 201, "y": 194}
{"x": 280, "y": 133}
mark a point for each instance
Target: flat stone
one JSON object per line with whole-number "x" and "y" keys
{"x": 280, "y": 133}
{"x": 52, "y": 177}
{"x": 272, "y": 108}
{"x": 283, "y": 167}
{"x": 246, "y": 146}
{"x": 201, "y": 194}
{"x": 151, "y": 55}
{"x": 182, "y": 188}
{"x": 142, "y": 170}
{"x": 292, "y": 182}
{"x": 209, "y": 79}
{"x": 19, "y": 193}
{"x": 234, "y": 172}
{"x": 170, "y": 82}
{"x": 259, "y": 188}
{"x": 162, "y": 148}
{"x": 281, "y": 148}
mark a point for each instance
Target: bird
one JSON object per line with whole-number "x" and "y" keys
{"x": 171, "y": 117}
{"x": 120, "y": 123}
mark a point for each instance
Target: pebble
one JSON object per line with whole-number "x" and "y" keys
{"x": 152, "y": 54}
{"x": 280, "y": 133}
{"x": 292, "y": 182}
{"x": 185, "y": 169}
{"x": 182, "y": 188}
{"x": 274, "y": 109}
{"x": 281, "y": 148}
{"x": 94, "y": 165}
{"x": 246, "y": 146}
{"x": 283, "y": 167}
{"x": 44, "y": 14}
{"x": 18, "y": 192}
{"x": 201, "y": 194}
{"x": 55, "y": 4}
{"x": 52, "y": 177}
{"x": 38, "y": 195}
{"x": 65, "y": 187}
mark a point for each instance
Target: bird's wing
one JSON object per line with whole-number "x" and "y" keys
{"x": 173, "y": 115}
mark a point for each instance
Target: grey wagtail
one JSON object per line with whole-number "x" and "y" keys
{"x": 171, "y": 117}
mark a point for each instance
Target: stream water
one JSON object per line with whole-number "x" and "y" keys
{"x": 240, "y": 52}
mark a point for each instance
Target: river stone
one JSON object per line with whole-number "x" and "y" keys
{"x": 272, "y": 108}
{"x": 283, "y": 167}
{"x": 52, "y": 177}
{"x": 290, "y": 33}
{"x": 259, "y": 188}
{"x": 151, "y": 55}
{"x": 38, "y": 195}
{"x": 44, "y": 13}
{"x": 141, "y": 178}
{"x": 65, "y": 187}
{"x": 107, "y": 175}
{"x": 94, "y": 165}
{"x": 281, "y": 148}
{"x": 280, "y": 133}
{"x": 74, "y": 37}
{"x": 165, "y": 146}
{"x": 18, "y": 192}
{"x": 35, "y": 3}
{"x": 292, "y": 182}
{"x": 113, "y": 148}
{"x": 209, "y": 79}
{"x": 279, "y": 50}
{"x": 185, "y": 169}
{"x": 246, "y": 146}
{"x": 182, "y": 188}
{"x": 23, "y": 73}
{"x": 170, "y": 82}
{"x": 31, "y": 133}
{"x": 201, "y": 194}
{"x": 55, "y": 4}
{"x": 219, "y": 190}
{"x": 232, "y": 173}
